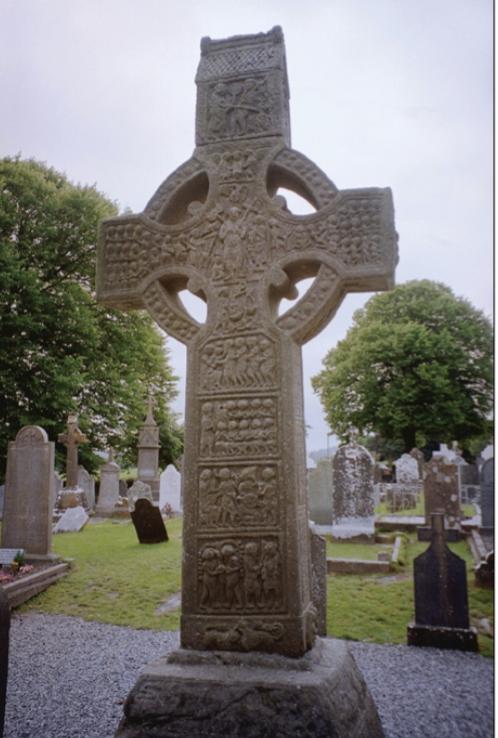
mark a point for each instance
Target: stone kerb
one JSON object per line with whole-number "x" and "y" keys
{"x": 353, "y": 494}
{"x": 29, "y": 485}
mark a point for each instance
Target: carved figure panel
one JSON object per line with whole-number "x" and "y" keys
{"x": 245, "y": 427}
{"x": 238, "y": 496}
{"x": 239, "y": 362}
{"x": 240, "y": 574}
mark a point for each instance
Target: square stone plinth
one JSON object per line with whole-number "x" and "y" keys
{"x": 198, "y": 694}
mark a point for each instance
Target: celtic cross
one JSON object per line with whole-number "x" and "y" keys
{"x": 218, "y": 228}
{"x": 72, "y": 438}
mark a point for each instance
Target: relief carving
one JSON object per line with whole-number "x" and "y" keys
{"x": 245, "y": 635}
{"x": 242, "y": 574}
{"x": 240, "y": 496}
{"x": 232, "y": 363}
{"x": 239, "y": 108}
{"x": 245, "y": 427}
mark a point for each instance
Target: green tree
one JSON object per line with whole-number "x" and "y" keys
{"x": 61, "y": 352}
{"x": 417, "y": 360}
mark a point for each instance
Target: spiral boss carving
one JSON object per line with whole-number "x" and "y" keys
{"x": 218, "y": 228}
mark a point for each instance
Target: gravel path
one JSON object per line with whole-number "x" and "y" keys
{"x": 68, "y": 679}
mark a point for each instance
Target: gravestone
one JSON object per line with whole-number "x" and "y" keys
{"x": 2, "y": 497}
{"x": 417, "y": 454}
{"x": 71, "y": 494}
{"x": 353, "y": 493}
{"x": 109, "y": 488}
{"x": 170, "y": 489}
{"x": 441, "y": 601}
{"x": 72, "y": 521}
{"x": 27, "y": 514}
{"x": 148, "y": 522}
{"x": 441, "y": 491}
{"x": 320, "y": 493}
{"x": 218, "y": 227}
{"x": 87, "y": 484}
{"x": 4, "y": 653}
{"x": 138, "y": 490}
{"x": 407, "y": 470}
{"x": 487, "y": 484}
{"x": 148, "y": 453}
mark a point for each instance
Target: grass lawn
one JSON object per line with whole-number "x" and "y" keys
{"x": 117, "y": 580}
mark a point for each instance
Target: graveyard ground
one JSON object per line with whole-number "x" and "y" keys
{"x": 116, "y": 580}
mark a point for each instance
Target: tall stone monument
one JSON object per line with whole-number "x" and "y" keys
{"x": 27, "y": 514}
{"x": 109, "y": 488}
{"x": 148, "y": 453}
{"x": 218, "y": 228}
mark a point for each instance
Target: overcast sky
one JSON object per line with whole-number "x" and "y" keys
{"x": 383, "y": 93}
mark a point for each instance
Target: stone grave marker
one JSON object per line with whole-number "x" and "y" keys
{"x": 7, "y": 555}
{"x": 417, "y": 454}
{"x": 109, "y": 488}
{"x": 2, "y": 497}
{"x": 27, "y": 514}
{"x": 441, "y": 491}
{"x": 441, "y": 600}
{"x": 87, "y": 484}
{"x": 407, "y": 470}
{"x": 138, "y": 490}
{"x": 71, "y": 493}
{"x": 353, "y": 492}
{"x": 320, "y": 493}
{"x": 170, "y": 490}
{"x": 148, "y": 452}
{"x": 72, "y": 521}
{"x": 218, "y": 227}
{"x": 148, "y": 522}
{"x": 4, "y": 653}
{"x": 487, "y": 484}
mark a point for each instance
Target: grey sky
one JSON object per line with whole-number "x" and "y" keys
{"x": 386, "y": 93}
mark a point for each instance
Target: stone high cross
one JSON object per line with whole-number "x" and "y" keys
{"x": 218, "y": 228}
{"x": 71, "y": 439}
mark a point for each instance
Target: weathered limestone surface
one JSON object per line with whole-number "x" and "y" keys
{"x": 353, "y": 493}
{"x": 252, "y": 696}
{"x": 219, "y": 228}
{"x": 27, "y": 513}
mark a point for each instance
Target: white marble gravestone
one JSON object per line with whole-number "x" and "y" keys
{"x": 171, "y": 489}
{"x": 353, "y": 497}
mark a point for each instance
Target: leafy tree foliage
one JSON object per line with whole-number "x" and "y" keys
{"x": 61, "y": 352}
{"x": 416, "y": 360}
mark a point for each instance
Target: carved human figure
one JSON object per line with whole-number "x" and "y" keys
{"x": 252, "y": 575}
{"x": 211, "y": 569}
{"x": 270, "y": 573}
{"x": 233, "y": 576}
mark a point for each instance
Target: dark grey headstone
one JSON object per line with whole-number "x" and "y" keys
{"x": 487, "y": 479}
{"x": 441, "y": 600}
{"x": 148, "y": 522}
{"x": 4, "y": 652}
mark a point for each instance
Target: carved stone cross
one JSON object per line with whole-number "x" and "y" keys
{"x": 218, "y": 228}
{"x": 72, "y": 438}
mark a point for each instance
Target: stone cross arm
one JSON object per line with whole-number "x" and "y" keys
{"x": 218, "y": 221}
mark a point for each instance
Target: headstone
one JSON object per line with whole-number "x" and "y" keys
{"x": 72, "y": 521}
{"x": 170, "y": 489}
{"x": 27, "y": 514}
{"x": 148, "y": 453}
{"x": 441, "y": 601}
{"x": 2, "y": 497}
{"x": 148, "y": 522}
{"x": 7, "y": 555}
{"x": 353, "y": 493}
{"x": 4, "y": 653}
{"x": 320, "y": 493}
{"x": 109, "y": 488}
{"x": 488, "y": 452}
{"x": 218, "y": 228}
{"x": 441, "y": 491}
{"x": 417, "y": 454}
{"x": 139, "y": 491}
{"x": 58, "y": 485}
{"x": 407, "y": 471}
{"x": 87, "y": 484}
{"x": 487, "y": 484}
